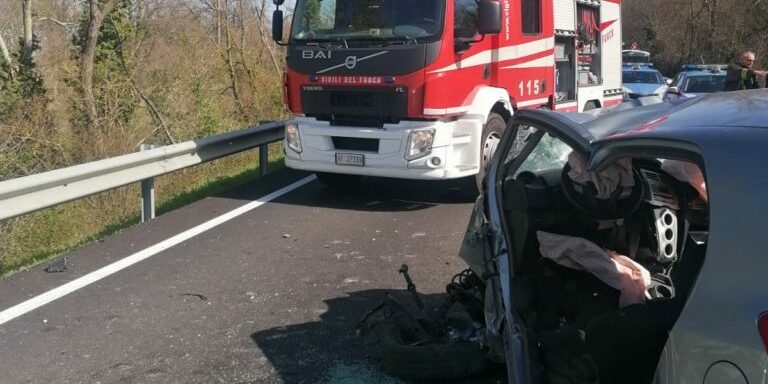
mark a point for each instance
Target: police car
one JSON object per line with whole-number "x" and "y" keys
{"x": 696, "y": 80}
{"x": 640, "y": 80}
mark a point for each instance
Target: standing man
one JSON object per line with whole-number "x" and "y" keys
{"x": 741, "y": 75}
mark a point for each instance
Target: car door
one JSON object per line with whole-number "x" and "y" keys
{"x": 535, "y": 138}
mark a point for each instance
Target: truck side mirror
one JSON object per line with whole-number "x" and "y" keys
{"x": 673, "y": 90}
{"x": 277, "y": 25}
{"x": 489, "y": 17}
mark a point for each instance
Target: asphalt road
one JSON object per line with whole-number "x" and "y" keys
{"x": 271, "y": 296}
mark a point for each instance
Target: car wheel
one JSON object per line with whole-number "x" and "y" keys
{"x": 405, "y": 355}
{"x": 338, "y": 181}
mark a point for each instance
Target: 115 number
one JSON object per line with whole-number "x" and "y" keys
{"x": 532, "y": 86}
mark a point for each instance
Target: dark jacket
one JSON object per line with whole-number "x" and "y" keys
{"x": 739, "y": 78}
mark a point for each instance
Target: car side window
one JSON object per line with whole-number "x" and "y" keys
{"x": 465, "y": 18}
{"x": 676, "y": 81}
{"x": 530, "y": 11}
{"x": 550, "y": 153}
{"x": 534, "y": 151}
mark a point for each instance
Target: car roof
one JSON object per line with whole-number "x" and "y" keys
{"x": 686, "y": 119}
{"x": 642, "y": 68}
{"x": 703, "y": 73}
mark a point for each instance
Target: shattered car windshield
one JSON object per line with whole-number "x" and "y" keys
{"x": 340, "y": 20}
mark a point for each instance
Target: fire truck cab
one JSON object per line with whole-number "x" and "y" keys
{"x": 422, "y": 89}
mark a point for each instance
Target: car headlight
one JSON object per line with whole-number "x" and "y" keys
{"x": 419, "y": 143}
{"x": 292, "y": 137}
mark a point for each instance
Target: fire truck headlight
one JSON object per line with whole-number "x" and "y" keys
{"x": 419, "y": 143}
{"x": 292, "y": 138}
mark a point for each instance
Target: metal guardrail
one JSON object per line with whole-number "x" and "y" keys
{"x": 35, "y": 192}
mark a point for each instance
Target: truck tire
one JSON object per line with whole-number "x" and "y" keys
{"x": 590, "y": 105}
{"x": 338, "y": 181}
{"x": 492, "y": 132}
{"x": 428, "y": 361}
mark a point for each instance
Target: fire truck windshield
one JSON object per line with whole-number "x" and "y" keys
{"x": 350, "y": 20}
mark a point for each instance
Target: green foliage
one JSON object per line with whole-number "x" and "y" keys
{"x": 650, "y": 32}
{"x": 25, "y": 84}
{"x": 112, "y": 90}
{"x": 209, "y": 120}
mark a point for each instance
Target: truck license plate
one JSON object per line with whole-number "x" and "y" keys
{"x": 350, "y": 159}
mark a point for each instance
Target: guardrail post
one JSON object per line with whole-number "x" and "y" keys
{"x": 263, "y": 159}
{"x": 147, "y": 194}
{"x": 264, "y": 154}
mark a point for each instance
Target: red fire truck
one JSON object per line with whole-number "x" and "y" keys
{"x": 421, "y": 89}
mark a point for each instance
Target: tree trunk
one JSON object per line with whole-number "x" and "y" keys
{"x": 229, "y": 61}
{"x": 712, "y": 25}
{"x": 95, "y": 19}
{"x": 7, "y": 57}
{"x": 26, "y": 10}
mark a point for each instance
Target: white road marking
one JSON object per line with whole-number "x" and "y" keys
{"x": 57, "y": 293}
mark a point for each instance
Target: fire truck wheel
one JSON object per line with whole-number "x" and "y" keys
{"x": 590, "y": 105}
{"x": 338, "y": 181}
{"x": 492, "y": 132}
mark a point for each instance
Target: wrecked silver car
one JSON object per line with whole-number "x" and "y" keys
{"x": 590, "y": 255}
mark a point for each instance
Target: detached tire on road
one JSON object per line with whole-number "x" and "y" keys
{"x": 428, "y": 361}
{"x": 338, "y": 181}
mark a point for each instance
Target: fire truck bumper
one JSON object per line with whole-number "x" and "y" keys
{"x": 407, "y": 150}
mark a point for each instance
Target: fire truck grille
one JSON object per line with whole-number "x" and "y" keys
{"x": 383, "y": 103}
{"x": 355, "y": 144}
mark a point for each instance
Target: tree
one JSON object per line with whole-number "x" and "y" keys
{"x": 697, "y": 31}
{"x": 20, "y": 80}
{"x": 97, "y": 11}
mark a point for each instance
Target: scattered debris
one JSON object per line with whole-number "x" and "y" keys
{"x": 58, "y": 265}
{"x": 286, "y": 235}
{"x": 199, "y": 296}
{"x": 350, "y": 280}
{"x": 418, "y": 234}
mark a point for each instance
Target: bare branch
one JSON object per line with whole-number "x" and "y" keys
{"x": 63, "y": 24}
